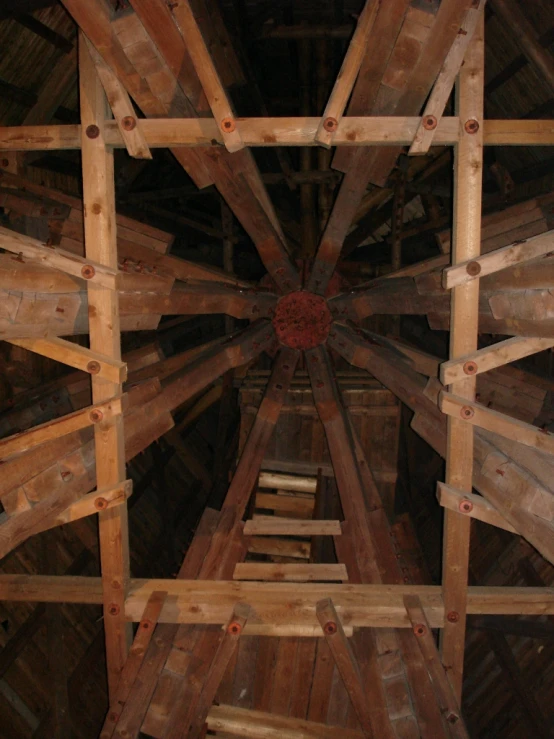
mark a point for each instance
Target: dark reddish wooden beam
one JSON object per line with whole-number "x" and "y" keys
{"x": 251, "y": 459}
{"x": 214, "y": 361}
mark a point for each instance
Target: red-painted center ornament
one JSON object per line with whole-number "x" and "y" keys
{"x": 302, "y": 320}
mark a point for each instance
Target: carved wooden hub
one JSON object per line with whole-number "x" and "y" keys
{"x": 302, "y": 320}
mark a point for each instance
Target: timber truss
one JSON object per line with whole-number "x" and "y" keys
{"x": 175, "y": 84}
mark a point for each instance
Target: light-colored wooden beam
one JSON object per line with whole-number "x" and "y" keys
{"x": 248, "y": 724}
{"x": 490, "y": 357}
{"x": 29, "y": 249}
{"x": 344, "y": 84}
{"x": 104, "y": 329}
{"x": 95, "y": 363}
{"x": 294, "y": 483}
{"x": 134, "y": 661}
{"x": 95, "y": 502}
{"x": 450, "y": 708}
{"x": 499, "y": 423}
{"x": 474, "y": 506}
{"x": 346, "y": 663}
{"x": 276, "y": 526}
{"x": 271, "y": 132}
{"x": 129, "y": 126}
{"x": 26, "y": 440}
{"x": 442, "y": 88}
{"x": 468, "y": 176}
{"x": 494, "y": 261}
{"x": 293, "y": 572}
{"x": 358, "y": 605}
{"x": 208, "y": 75}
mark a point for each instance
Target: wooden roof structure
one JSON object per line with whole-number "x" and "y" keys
{"x": 299, "y": 586}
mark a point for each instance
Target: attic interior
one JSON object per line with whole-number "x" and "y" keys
{"x": 276, "y": 394}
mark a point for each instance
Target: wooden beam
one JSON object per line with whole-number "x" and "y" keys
{"x": 233, "y": 630}
{"x": 344, "y": 84}
{"x": 270, "y": 132}
{"x": 449, "y": 705}
{"x": 120, "y": 103}
{"x": 491, "y": 357}
{"x": 294, "y": 483}
{"x": 494, "y": 261}
{"x": 247, "y": 724}
{"x": 33, "y": 251}
{"x": 98, "y": 500}
{"x": 269, "y": 571}
{"x": 527, "y": 38}
{"x": 134, "y": 661}
{"x": 207, "y": 73}
{"x": 346, "y": 662}
{"x": 74, "y": 355}
{"x": 468, "y": 175}
{"x": 472, "y": 505}
{"x": 275, "y": 526}
{"x": 104, "y": 329}
{"x": 498, "y": 423}
{"x": 26, "y": 440}
{"x": 359, "y": 605}
{"x": 442, "y": 88}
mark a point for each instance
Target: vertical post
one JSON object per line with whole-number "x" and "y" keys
{"x": 466, "y": 244}
{"x": 103, "y": 307}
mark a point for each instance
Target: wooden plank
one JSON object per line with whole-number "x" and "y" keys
{"x": 509, "y": 256}
{"x": 134, "y": 661}
{"x": 122, "y": 108}
{"x": 23, "y": 442}
{"x": 207, "y": 73}
{"x": 276, "y": 547}
{"x": 290, "y": 572}
{"x": 346, "y": 662}
{"x": 94, "y": 363}
{"x": 184, "y": 133}
{"x": 443, "y": 688}
{"x": 468, "y": 173}
{"x": 472, "y": 505}
{"x": 294, "y": 483}
{"x": 275, "y": 526}
{"x": 499, "y": 423}
{"x": 442, "y": 88}
{"x": 248, "y": 724}
{"x": 104, "y": 330}
{"x": 285, "y": 503}
{"x": 35, "y": 252}
{"x": 344, "y": 84}
{"x": 358, "y": 605}
{"x": 491, "y": 357}
{"x": 225, "y": 651}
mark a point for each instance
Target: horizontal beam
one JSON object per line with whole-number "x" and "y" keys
{"x": 271, "y": 132}
{"x": 197, "y": 601}
{"x": 74, "y": 355}
{"x": 276, "y": 526}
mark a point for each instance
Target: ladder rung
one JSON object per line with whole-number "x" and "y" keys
{"x": 289, "y": 503}
{"x": 302, "y": 572}
{"x": 280, "y": 547}
{"x": 277, "y": 526}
